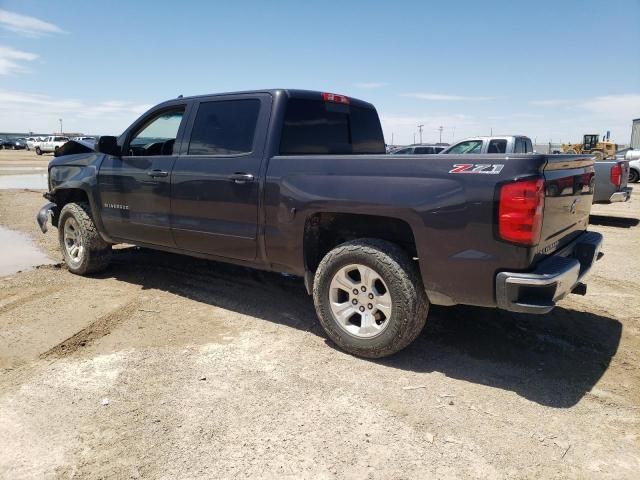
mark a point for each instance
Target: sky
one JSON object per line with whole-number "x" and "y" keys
{"x": 552, "y": 70}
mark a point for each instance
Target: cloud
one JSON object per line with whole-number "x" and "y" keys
{"x": 23, "y": 111}
{"x": 370, "y": 85}
{"x": 438, "y": 97}
{"x": 626, "y": 106}
{"x": 550, "y": 103}
{"x": 27, "y": 26}
{"x": 11, "y": 59}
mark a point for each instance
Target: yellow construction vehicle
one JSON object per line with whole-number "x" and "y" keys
{"x": 592, "y": 144}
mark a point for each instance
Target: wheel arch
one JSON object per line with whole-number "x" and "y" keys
{"x": 323, "y": 231}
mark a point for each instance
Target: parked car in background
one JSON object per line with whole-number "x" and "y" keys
{"x": 31, "y": 142}
{"x": 84, "y": 139}
{"x": 51, "y": 144}
{"x": 257, "y": 179}
{"x": 633, "y": 157}
{"x": 492, "y": 144}
{"x": 611, "y": 181}
{"x": 14, "y": 143}
{"x": 419, "y": 149}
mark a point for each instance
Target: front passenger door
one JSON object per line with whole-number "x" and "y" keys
{"x": 135, "y": 188}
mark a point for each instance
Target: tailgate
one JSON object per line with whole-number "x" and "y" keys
{"x": 569, "y": 182}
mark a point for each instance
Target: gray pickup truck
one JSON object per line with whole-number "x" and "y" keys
{"x": 298, "y": 182}
{"x": 491, "y": 144}
{"x": 612, "y": 177}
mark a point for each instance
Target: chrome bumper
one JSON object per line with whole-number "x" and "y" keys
{"x": 43, "y": 216}
{"x": 622, "y": 196}
{"x": 553, "y": 278}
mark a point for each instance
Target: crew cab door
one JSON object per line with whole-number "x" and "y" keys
{"x": 215, "y": 181}
{"x": 135, "y": 188}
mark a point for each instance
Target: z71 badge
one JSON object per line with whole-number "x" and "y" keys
{"x": 481, "y": 168}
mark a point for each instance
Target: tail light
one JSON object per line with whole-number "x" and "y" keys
{"x": 616, "y": 174}
{"x": 520, "y": 211}
{"x": 335, "y": 98}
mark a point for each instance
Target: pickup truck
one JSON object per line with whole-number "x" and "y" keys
{"x": 298, "y": 182}
{"x": 50, "y": 144}
{"x": 633, "y": 157}
{"x": 611, "y": 181}
{"x": 497, "y": 144}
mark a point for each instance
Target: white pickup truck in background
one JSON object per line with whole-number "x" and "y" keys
{"x": 50, "y": 144}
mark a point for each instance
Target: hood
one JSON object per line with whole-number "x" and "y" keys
{"x": 73, "y": 147}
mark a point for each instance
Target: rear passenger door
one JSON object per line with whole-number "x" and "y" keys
{"x": 215, "y": 180}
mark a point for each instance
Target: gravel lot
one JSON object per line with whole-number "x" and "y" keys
{"x": 171, "y": 367}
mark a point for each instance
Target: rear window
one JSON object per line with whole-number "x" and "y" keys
{"x": 318, "y": 127}
{"x": 224, "y": 127}
{"x": 60, "y": 139}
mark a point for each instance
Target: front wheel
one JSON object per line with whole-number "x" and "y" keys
{"x": 634, "y": 176}
{"x": 38, "y": 151}
{"x": 369, "y": 298}
{"x": 83, "y": 248}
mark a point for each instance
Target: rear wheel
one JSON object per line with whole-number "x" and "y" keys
{"x": 597, "y": 155}
{"x": 38, "y": 151}
{"x": 369, "y": 298}
{"x": 83, "y": 248}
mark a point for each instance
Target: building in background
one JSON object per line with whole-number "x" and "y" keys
{"x": 635, "y": 134}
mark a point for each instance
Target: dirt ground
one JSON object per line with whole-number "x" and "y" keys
{"x": 171, "y": 367}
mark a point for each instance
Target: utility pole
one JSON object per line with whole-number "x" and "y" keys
{"x": 420, "y": 130}
{"x": 440, "y": 128}
{"x": 392, "y": 139}
{"x": 414, "y": 138}
{"x": 60, "y": 120}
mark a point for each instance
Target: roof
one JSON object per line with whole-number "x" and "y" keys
{"x": 293, "y": 93}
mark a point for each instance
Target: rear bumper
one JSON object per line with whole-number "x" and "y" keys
{"x": 622, "y": 196}
{"x": 553, "y": 278}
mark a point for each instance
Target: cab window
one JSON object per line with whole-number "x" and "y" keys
{"x": 157, "y": 136}
{"x": 224, "y": 127}
{"x": 470, "y": 146}
{"x": 424, "y": 151}
{"x": 497, "y": 146}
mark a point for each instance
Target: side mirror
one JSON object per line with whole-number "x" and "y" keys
{"x": 108, "y": 145}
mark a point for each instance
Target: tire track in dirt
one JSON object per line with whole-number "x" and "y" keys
{"x": 22, "y": 300}
{"x": 101, "y": 327}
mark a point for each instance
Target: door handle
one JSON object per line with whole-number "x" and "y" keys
{"x": 157, "y": 173}
{"x": 241, "y": 177}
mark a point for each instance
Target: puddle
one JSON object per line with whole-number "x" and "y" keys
{"x": 18, "y": 253}
{"x": 37, "y": 181}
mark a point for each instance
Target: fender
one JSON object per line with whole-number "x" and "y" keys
{"x": 76, "y": 172}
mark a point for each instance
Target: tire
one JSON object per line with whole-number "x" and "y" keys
{"x": 401, "y": 288}
{"x": 571, "y": 151}
{"x": 76, "y": 228}
{"x": 634, "y": 176}
{"x": 598, "y": 155}
{"x": 38, "y": 151}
